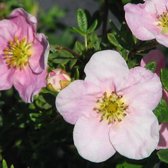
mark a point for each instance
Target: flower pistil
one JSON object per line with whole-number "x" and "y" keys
{"x": 17, "y": 53}
{"x": 163, "y": 22}
{"x": 111, "y": 107}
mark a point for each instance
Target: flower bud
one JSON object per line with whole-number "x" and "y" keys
{"x": 57, "y": 80}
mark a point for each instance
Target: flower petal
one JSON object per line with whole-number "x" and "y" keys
{"x": 137, "y": 136}
{"x": 140, "y": 22}
{"x": 6, "y": 76}
{"x": 26, "y": 23}
{"x": 91, "y": 138}
{"x": 76, "y": 99}
{"x": 105, "y": 65}
{"x": 40, "y": 51}
{"x": 162, "y": 39}
{"x": 28, "y": 84}
{"x": 163, "y": 141}
{"x": 143, "y": 88}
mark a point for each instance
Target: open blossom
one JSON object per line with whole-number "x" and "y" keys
{"x": 159, "y": 59}
{"x": 149, "y": 20}
{"x": 57, "y": 79}
{"x": 23, "y": 55}
{"x": 112, "y": 109}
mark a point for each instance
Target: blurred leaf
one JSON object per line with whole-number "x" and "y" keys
{"x": 92, "y": 27}
{"x": 163, "y": 155}
{"x": 12, "y": 166}
{"x": 82, "y": 20}
{"x": 164, "y": 78}
{"x": 161, "y": 111}
{"x": 129, "y": 165}
{"x": 151, "y": 66}
{"x": 4, "y": 164}
{"x": 113, "y": 40}
{"x": 94, "y": 41}
{"x": 77, "y": 30}
{"x": 72, "y": 63}
{"x": 79, "y": 48}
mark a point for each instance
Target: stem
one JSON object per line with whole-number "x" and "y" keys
{"x": 85, "y": 38}
{"x": 105, "y": 18}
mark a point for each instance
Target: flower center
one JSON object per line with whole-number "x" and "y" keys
{"x": 111, "y": 107}
{"x": 163, "y": 22}
{"x": 17, "y": 53}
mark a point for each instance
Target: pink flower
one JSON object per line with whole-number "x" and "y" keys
{"x": 58, "y": 79}
{"x": 112, "y": 109}
{"x": 149, "y": 20}
{"x": 23, "y": 55}
{"x": 159, "y": 59}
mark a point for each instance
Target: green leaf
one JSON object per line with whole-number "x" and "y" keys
{"x": 79, "y": 48}
{"x": 77, "y": 30}
{"x": 72, "y": 63}
{"x": 161, "y": 111}
{"x": 164, "y": 78}
{"x": 128, "y": 165}
{"x": 151, "y": 66}
{"x": 12, "y": 166}
{"x": 113, "y": 40}
{"x": 4, "y": 164}
{"x": 82, "y": 20}
{"x": 94, "y": 41}
{"x": 92, "y": 27}
{"x": 163, "y": 155}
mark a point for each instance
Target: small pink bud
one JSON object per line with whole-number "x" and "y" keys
{"x": 57, "y": 80}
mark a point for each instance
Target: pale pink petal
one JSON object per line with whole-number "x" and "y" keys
{"x": 77, "y": 99}
{"x": 156, "y": 6}
{"x": 91, "y": 138}
{"x": 28, "y": 84}
{"x": 137, "y": 136}
{"x": 40, "y": 51}
{"x": 7, "y": 33}
{"x": 25, "y": 23}
{"x": 141, "y": 23}
{"x": 162, "y": 39}
{"x": 6, "y": 77}
{"x": 107, "y": 65}
{"x": 143, "y": 88}
{"x": 163, "y": 141}
{"x": 154, "y": 56}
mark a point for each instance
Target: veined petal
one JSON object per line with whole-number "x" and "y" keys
{"x": 141, "y": 23}
{"x": 162, "y": 39}
{"x": 91, "y": 138}
{"x": 40, "y": 51}
{"x": 25, "y": 22}
{"x": 105, "y": 65}
{"x": 77, "y": 99}
{"x": 137, "y": 136}
{"x": 28, "y": 84}
{"x": 143, "y": 88}
{"x": 6, "y": 77}
{"x": 155, "y": 6}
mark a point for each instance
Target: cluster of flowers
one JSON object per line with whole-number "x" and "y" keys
{"x": 112, "y": 108}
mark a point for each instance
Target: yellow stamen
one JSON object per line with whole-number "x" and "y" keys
{"x": 111, "y": 107}
{"x": 17, "y": 53}
{"x": 163, "y": 22}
